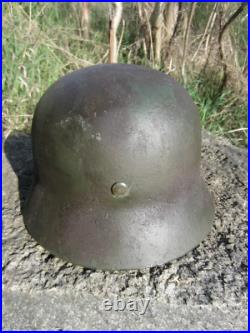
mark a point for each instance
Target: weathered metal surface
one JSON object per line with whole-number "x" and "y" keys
{"x": 117, "y": 164}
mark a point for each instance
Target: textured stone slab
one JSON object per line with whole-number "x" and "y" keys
{"x": 213, "y": 275}
{"x": 54, "y": 310}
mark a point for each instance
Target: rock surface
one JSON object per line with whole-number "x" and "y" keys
{"x": 192, "y": 292}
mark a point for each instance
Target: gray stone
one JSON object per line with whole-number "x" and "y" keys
{"x": 56, "y": 310}
{"x": 205, "y": 289}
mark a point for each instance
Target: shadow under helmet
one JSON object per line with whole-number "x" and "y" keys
{"x": 117, "y": 169}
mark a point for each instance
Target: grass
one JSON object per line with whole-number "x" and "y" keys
{"x": 38, "y": 48}
{"x": 43, "y": 41}
{"x": 224, "y": 114}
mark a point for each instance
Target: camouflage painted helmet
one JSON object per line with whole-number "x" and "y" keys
{"x": 117, "y": 169}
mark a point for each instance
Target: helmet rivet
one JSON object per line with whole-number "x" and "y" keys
{"x": 119, "y": 190}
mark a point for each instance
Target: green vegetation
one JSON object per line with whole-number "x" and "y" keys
{"x": 43, "y": 41}
{"x": 224, "y": 114}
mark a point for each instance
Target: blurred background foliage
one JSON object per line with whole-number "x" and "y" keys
{"x": 43, "y": 41}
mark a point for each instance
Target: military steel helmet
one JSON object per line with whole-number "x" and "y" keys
{"x": 117, "y": 169}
